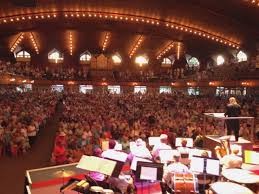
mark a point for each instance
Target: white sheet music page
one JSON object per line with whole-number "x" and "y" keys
{"x": 148, "y": 173}
{"x": 137, "y": 159}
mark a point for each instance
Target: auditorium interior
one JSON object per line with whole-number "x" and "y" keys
{"x": 131, "y": 97}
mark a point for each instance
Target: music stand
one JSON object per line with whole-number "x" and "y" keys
{"x": 120, "y": 158}
{"x": 147, "y": 171}
{"x": 206, "y": 166}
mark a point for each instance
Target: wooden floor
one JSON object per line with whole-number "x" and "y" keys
{"x": 12, "y": 170}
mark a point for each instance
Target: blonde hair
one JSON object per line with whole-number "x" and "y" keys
{"x": 232, "y": 100}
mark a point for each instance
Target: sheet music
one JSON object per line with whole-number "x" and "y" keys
{"x": 116, "y": 155}
{"x": 135, "y": 160}
{"x": 213, "y": 167}
{"x": 148, "y": 173}
{"x": 118, "y": 147}
{"x": 132, "y": 145}
{"x": 197, "y": 164}
{"x": 95, "y": 164}
{"x": 167, "y": 155}
{"x": 153, "y": 141}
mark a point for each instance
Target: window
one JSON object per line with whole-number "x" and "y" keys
{"x": 220, "y": 60}
{"x": 220, "y": 91}
{"x": 85, "y": 57}
{"x": 27, "y": 87}
{"x": 140, "y": 89}
{"x": 116, "y": 59}
{"x": 55, "y": 56}
{"x": 241, "y": 56}
{"x": 141, "y": 60}
{"x": 166, "y": 61}
{"x": 57, "y": 88}
{"x": 114, "y": 89}
{"x": 24, "y": 88}
{"x": 193, "y": 62}
{"x": 165, "y": 89}
{"x": 23, "y": 56}
{"x": 193, "y": 91}
{"x": 85, "y": 89}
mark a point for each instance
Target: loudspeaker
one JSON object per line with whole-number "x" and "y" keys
{"x": 24, "y": 3}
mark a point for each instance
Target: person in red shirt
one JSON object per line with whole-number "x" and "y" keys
{"x": 60, "y": 153}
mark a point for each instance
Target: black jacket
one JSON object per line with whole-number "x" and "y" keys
{"x": 233, "y": 110}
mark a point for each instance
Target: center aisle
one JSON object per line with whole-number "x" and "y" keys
{"x": 12, "y": 170}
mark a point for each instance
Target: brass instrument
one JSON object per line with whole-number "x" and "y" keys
{"x": 224, "y": 148}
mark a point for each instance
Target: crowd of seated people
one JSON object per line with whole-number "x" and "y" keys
{"x": 221, "y": 72}
{"x": 89, "y": 118}
{"x": 21, "y": 118}
{"x": 37, "y": 72}
{"x": 228, "y": 71}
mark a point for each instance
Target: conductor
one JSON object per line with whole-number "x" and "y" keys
{"x": 233, "y": 110}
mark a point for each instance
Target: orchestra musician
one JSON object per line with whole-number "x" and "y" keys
{"x": 233, "y": 110}
{"x": 111, "y": 149}
{"x": 140, "y": 150}
{"x": 167, "y": 184}
{"x": 163, "y": 145}
{"x": 231, "y": 159}
{"x": 184, "y": 152}
{"x": 124, "y": 183}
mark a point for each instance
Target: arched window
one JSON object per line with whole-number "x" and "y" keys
{"x": 85, "y": 57}
{"x": 55, "y": 56}
{"x": 116, "y": 58}
{"x": 241, "y": 56}
{"x": 166, "y": 61}
{"x": 220, "y": 60}
{"x": 193, "y": 62}
{"x": 141, "y": 60}
{"x": 23, "y": 56}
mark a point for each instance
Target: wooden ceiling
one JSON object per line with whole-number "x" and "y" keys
{"x": 234, "y": 22}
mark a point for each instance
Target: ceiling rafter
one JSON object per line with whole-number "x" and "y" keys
{"x": 136, "y": 45}
{"x": 107, "y": 38}
{"x": 17, "y": 41}
{"x": 34, "y": 43}
{"x": 165, "y": 50}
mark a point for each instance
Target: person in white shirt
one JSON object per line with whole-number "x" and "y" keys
{"x": 184, "y": 152}
{"x": 140, "y": 150}
{"x": 161, "y": 146}
{"x": 232, "y": 160}
{"x": 170, "y": 170}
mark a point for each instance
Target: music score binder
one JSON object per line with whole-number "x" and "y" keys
{"x": 96, "y": 164}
